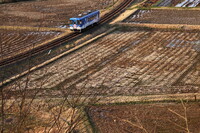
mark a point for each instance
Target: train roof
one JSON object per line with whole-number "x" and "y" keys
{"x": 85, "y": 15}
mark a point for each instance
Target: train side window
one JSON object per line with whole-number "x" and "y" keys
{"x": 92, "y": 18}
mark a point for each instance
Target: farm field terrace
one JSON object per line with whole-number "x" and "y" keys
{"x": 147, "y": 58}
{"x": 165, "y": 16}
{"x": 128, "y": 62}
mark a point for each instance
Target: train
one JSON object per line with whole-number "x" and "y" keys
{"x": 82, "y": 21}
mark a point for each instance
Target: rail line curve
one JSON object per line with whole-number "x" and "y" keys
{"x": 34, "y": 51}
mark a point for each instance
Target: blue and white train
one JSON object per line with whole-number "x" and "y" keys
{"x": 84, "y": 20}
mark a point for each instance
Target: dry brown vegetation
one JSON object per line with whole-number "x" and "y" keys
{"x": 146, "y": 118}
{"x": 25, "y": 110}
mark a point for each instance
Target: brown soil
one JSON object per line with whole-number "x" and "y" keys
{"x": 139, "y": 118}
{"x": 159, "y": 16}
{"x": 16, "y": 41}
{"x": 193, "y": 77}
{"x": 127, "y": 63}
{"x": 47, "y": 13}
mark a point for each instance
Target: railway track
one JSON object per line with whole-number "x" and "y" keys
{"x": 107, "y": 17}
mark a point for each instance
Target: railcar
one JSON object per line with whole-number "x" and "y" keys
{"x": 84, "y": 20}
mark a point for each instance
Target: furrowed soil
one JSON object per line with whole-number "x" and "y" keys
{"x": 141, "y": 118}
{"x": 131, "y": 62}
{"x": 168, "y": 3}
{"x": 159, "y": 16}
{"x": 16, "y": 41}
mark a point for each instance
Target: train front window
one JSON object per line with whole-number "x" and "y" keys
{"x": 79, "y": 22}
{"x": 72, "y": 22}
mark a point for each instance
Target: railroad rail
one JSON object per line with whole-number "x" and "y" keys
{"x": 107, "y": 17}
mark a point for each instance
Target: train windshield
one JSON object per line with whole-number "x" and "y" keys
{"x": 72, "y": 22}
{"x": 78, "y": 22}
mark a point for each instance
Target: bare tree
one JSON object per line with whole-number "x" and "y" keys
{"x": 17, "y": 99}
{"x": 183, "y": 117}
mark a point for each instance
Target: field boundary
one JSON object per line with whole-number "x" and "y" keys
{"x": 151, "y": 98}
{"x": 142, "y": 98}
{"x": 162, "y": 26}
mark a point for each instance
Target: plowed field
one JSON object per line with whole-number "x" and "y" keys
{"x": 159, "y": 16}
{"x": 127, "y": 62}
